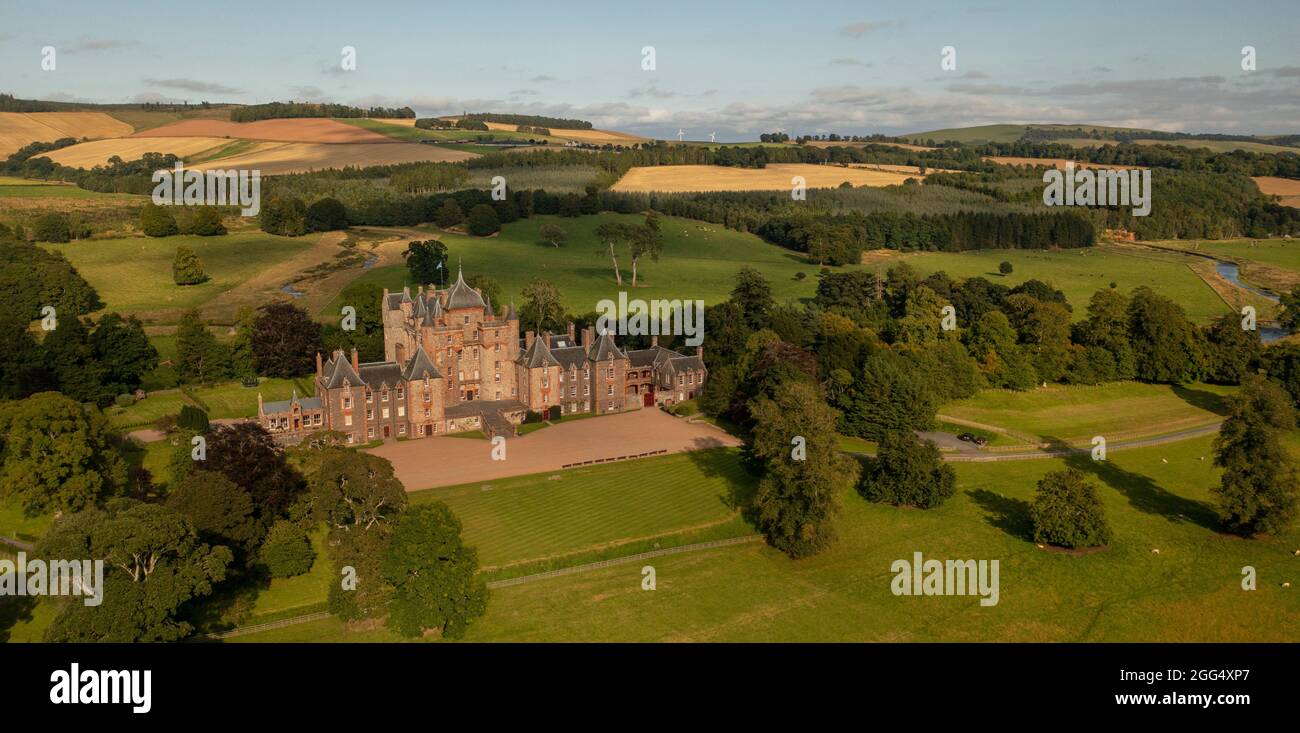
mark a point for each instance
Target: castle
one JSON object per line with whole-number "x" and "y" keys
{"x": 453, "y": 364}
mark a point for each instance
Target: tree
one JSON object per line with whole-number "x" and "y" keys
{"x": 69, "y": 357}
{"x": 645, "y": 241}
{"x": 1259, "y": 491}
{"x": 32, "y": 277}
{"x": 186, "y": 268}
{"x": 908, "y": 471}
{"x": 992, "y": 342}
{"x": 753, "y": 293}
{"x": 157, "y": 221}
{"x": 482, "y": 221}
{"x": 426, "y": 260}
{"x": 1290, "y": 315}
{"x": 222, "y": 513}
{"x": 798, "y": 497}
{"x": 52, "y": 227}
{"x": 610, "y": 235}
{"x": 888, "y": 396}
{"x": 368, "y": 336}
{"x": 123, "y": 351}
{"x": 433, "y": 574}
{"x": 287, "y": 551}
{"x": 1005, "y": 267}
{"x": 326, "y": 215}
{"x": 543, "y": 306}
{"x": 199, "y": 356}
{"x": 1066, "y": 511}
{"x": 1043, "y": 329}
{"x": 1231, "y": 352}
{"x": 193, "y": 419}
{"x": 449, "y": 214}
{"x": 1164, "y": 341}
{"x": 553, "y": 234}
{"x": 56, "y": 456}
{"x": 285, "y": 341}
{"x": 246, "y": 454}
{"x": 154, "y": 566}
{"x": 206, "y": 222}
{"x": 286, "y": 216}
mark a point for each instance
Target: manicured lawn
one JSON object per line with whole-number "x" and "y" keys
{"x": 1078, "y": 273}
{"x": 700, "y": 261}
{"x": 228, "y": 400}
{"x": 533, "y": 518}
{"x": 1077, "y": 413}
{"x": 1190, "y": 591}
{"x": 134, "y": 275}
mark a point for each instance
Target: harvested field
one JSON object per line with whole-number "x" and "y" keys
{"x": 775, "y": 177}
{"x": 91, "y": 154}
{"x": 302, "y": 130}
{"x": 403, "y": 121}
{"x": 847, "y": 144}
{"x": 1056, "y": 162}
{"x": 22, "y": 128}
{"x": 276, "y": 159}
{"x": 1287, "y": 188}
{"x": 595, "y": 137}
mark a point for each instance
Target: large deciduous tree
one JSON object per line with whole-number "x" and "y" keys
{"x": 285, "y": 341}
{"x": 1066, "y": 511}
{"x": 1259, "y": 491}
{"x": 908, "y": 471}
{"x": 432, "y": 573}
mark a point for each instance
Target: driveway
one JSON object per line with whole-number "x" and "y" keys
{"x": 432, "y": 462}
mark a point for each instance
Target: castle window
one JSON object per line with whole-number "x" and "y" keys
{"x": 315, "y": 419}
{"x": 498, "y": 394}
{"x": 370, "y": 397}
{"x": 347, "y": 420}
{"x": 384, "y": 396}
{"x": 347, "y": 402}
{"x": 428, "y": 396}
{"x": 586, "y": 390}
{"x": 384, "y": 413}
{"x": 610, "y": 389}
{"x": 401, "y": 429}
{"x": 514, "y": 391}
{"x": 401, "y": 410}
{"x": 475, "y": 352}
{"x": 370, "y": 432}
{"x": 681, "y": 379}
{"x": 498, "y": 377}
{"x": 460, "y": 376}
{"x": 496, "y": 348}
{"x": 586, "y": 372}
{"x": 427, "y": 412}
{"x": 573, "y": 391}
{"x": 370, "y": 414}
{"x": 401, "y": 394}
{"x": 611, "y": 373}
{"x": 352, "y": 438}
{"x": 476, "y": 374}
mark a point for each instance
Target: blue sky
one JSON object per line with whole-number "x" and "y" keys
{"x": 734, "y": 68}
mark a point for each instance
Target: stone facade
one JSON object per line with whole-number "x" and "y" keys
{"x": 453, "y": 364}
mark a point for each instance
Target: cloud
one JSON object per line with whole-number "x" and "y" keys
{"x": 652, "y": 91}
{"x": 541, "y": 78}
{"x": 192, "y": 85}
{"x": 154, "y": 97}
{"x": 862, "y": 28}
{"x": 848, "y": 61}
{"x": 309, "y": 93}
{"x": 1101, "y": 69}
{"x": 1285, "y": 71}
{"x": 523, "y": 92}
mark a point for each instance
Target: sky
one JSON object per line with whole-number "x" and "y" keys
{"x": 734, "y": 69}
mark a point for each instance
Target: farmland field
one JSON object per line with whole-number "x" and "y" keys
{"x": 295, "y": 130}
{"x": 700, "y": 261}
{"x": 97, "y": 152}
{"x": 593, "y": 136}
{"x": 1075, "y": 413}
{"x": 133, "y": 275}
{"x": 1286, "y": 188}
{"x": 279, "y": 158}
{"x": 775, "y": 177}
{"x": 18, "y": 129}
{"x": 1077, "y": 272}
{"x": 1268, "y": 263}
{"x": 1156, "y": 499}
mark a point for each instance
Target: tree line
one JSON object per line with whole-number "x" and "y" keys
{"x": 281, "y": 110}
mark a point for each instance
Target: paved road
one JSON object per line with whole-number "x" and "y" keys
{"x": 988, "y": 456}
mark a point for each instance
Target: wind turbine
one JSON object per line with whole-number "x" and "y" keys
{"x": 680, "y": 134}
{"x": 713, "y": 137}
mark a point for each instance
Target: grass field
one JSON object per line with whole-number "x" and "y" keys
{"x": 552, "y": 517}
{"x": 700, "y": 261}
{"x": 775, "y": 177}
{"x": 1267, "y": 263}
{"x": 220, "y": 401}
{"x": 1075, "y": 413}
{"x": 133, "y": 275}
{"x": 1077, "y": 272}
{"x": 1189, "y": 591}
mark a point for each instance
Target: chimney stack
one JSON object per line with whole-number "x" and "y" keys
{"x": 699, "y": 351}
{"x": 356, "y": 366}
{"x": 588, "y": 336}
{"x": 571, "y": 336}
{"x": 654, "y": 340}
{"x": 528, "y": 340}
{"x": 319, "y": 369}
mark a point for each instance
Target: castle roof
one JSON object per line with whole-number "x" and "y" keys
{"x": 684, "y": 364}
{"x": 570, "y": 357}
{"x": 311, "y": 403}
{"x": 511, "y": 315}
{"x": 420, "y": 367}
{"x": 381, "y": 374}
{"x": 461, "y": 295}
{"x": 538, "y": 354}
{"x": 605, "y": 349}
{"x": 338, "y": 369}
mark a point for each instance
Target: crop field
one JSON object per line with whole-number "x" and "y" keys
{"x": 1287, "y": 189}
{"x": 593, "y": 136}
{"x": 18, "y": 129}
{"x": 699, "y": 261}
{"x": 279, "y": 158}
{"x": 1217, "y": 146}
{"x": 1077, "y": 272}
{"x": 1054, "y": 162}
{"x": 401, "y": 130}
{"x": 775, "y": 177}
{"x": 97, "y": 152}
{"x": 133, "y": 275}
{"x": 295, "y": 130}
{"x": 1075, "y": 413}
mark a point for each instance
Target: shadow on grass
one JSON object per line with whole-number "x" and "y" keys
{"x": 729, "y": 465}
{"x": 14, "y": 610}
{"x": 1006, "y": 513}
{"x": 1199, "y": 398}
{"x": 1142, "y": 492}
